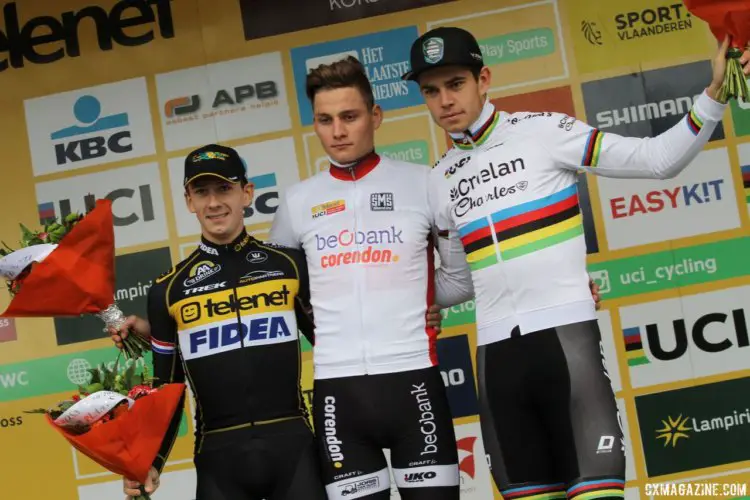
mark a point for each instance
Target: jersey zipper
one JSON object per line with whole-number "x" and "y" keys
{"x": 359, "y": 282}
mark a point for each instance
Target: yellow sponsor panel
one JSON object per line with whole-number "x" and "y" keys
{"x": 609, "y": 35}
{"x": 522, "y": 45}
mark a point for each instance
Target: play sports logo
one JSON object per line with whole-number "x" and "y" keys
{"x": 90, "y": 126}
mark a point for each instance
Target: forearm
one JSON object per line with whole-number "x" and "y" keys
{"x": 453, "y": 283}
{"x": 170, "y": 437}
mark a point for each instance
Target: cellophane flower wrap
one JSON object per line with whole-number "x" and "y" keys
{"x": 728, "y": 17}
{"x": 67, "y": 269}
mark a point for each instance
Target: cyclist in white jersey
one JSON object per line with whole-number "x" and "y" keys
{"x": 508, "y": 186}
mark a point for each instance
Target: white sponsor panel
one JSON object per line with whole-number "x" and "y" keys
{"x": 632, "y": 493}
{"x": 90, "y": 126}
{"x": 223, "y": 101}
{"x": 608, "y": 347}
{"x": 135, "y": 192}
{"x": 271, "y": 166}
{"x": 178, "y": 485}
{"x": 687, "y": 337}
{"x": 700, "y": 200}
{"x": 629, "y": 460}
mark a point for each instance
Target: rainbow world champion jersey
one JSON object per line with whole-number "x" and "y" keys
{"x": 508, "y": 186}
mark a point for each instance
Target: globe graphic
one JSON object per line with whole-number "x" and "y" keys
{"x": 77, "y": 371}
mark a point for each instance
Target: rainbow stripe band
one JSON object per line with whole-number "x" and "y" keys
{"x": 694, "y": 122}
{"x": 746, "y": 181}
{"x": 520, "y": 230}
{"x": 481, "y": 135}
{"x": 634, "y": 347}
{"x": 161, "y": 347}
{"x": 536, "y": 492}
{"x": 600, "y": 488}
{"x": 593, "y": 148}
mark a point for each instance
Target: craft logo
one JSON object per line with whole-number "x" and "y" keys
{"x": 652, "y": 21}
{"x": 334, "y": 249}
{"x": 665, "y": 199}
{"x": 456, "y": 368}
{"x": 62, "y": 38}
{"x": 260, "y": 18}
{"x": 692, "y": 336}
{"x": 384, "y": 55}
{"x": 134, "y": 275}
{"x": 89, "y": 127}
{"x": 696, "y": 427}
{"x": 225, "y": 101}
{"x": 328, "y": 208}
{"x": 7, "y": 329}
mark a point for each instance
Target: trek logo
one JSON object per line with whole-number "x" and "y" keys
{"x": 426, "y": 419}
{"x": 207, "y": 288}
{"x": 48, "y": 211}
{"x": 454, "y": 168}
{"x": 678, "y": 106}
{"x": 591, "y": 32}
{"x": 333, "y": 443}
{"x": 703, "y": 332}
{"x": 201, "y": 271}
{"x": 10, "y": 380}
{"x": 419, "y": 477}
{"x": 661, "y": 199}
{"x": 105, "y": 134}
{"x": 381, "y": 202}
{"x": 23, "y": 43}
{"x": 256, "y": 257}
{"x": 328, "y": 208}
{"x": 194, "y": 311}
{"x": 346, "y": 238}
{"x": 254, "y": 95}
{"x": 250, "y": 332}
{"x": 649, "y": 22}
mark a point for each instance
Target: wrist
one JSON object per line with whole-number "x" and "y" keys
{"x": 712, "y": 91}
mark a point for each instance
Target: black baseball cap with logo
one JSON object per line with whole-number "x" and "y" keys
{"x": 217, "y": 161}
{"x": 444, "y": 46}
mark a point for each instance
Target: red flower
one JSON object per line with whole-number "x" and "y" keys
{"x": 76, "y": 397}
{"x": 140, "y": 391}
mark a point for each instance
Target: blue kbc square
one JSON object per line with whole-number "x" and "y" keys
{"x": 385, "y": 56}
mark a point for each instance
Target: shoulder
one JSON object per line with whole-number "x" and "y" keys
{"x": 164, "y": 278}
{"x": 546, "y": 121}
{"x": 449, "y": 163}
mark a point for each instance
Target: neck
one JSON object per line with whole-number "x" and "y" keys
{"x": 354, "y": 170}
{"x": 477, "y": 131}
{"x": 234, "y": 242}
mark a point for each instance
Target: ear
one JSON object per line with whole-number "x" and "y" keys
{"x": 484, "y": 80}
{"x": 377, "y": 116}
{"x": 189, "y": 201}
{"x": 247, "y": 194}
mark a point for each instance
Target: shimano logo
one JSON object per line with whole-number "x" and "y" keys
{"x": 644, "y": 112}
{"x": 251, "y": 331}
{"x": 333, "y": 443}
{"x": 426, "y": 419}
{"x": 215, "y": 286}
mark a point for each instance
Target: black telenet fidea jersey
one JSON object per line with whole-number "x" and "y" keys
{"x": 227, "y": 319}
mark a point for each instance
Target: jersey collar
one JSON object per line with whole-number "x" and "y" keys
{"x": 235, "y": 246}
{"x": 356, "y": 170}
{"x": 479, "y": 131}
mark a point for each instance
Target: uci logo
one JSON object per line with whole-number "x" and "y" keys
{"x": 256, "y": 257}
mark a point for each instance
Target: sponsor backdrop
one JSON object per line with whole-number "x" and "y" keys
{"x": 103, "y": 98}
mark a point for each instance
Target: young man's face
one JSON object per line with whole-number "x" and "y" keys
{"x": 219, "y": 206}
{"x": 454, "y": 97}
{"x": 344, "y": 124}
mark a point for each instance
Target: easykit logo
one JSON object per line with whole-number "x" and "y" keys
{"x": 457, "y": 370}
{"x": 461, "y": 193}
{"x": 274, "y": 167}
{"x": 385, "y": 56}
{"x": 134, "y": 275}
{"x": 92, "y": 126}
{"x": 695, "y": 427}
{"x": 260, "y": 18}
{"x": 692, "y": 336}
{"x": 648, "y": 103}
{"x": 129, "y": 23}
{"x": 135, "y": 192}
{"x": 227, "y": 100}
{"x": 651, "y": 22}
{"x": 699, "y": 200}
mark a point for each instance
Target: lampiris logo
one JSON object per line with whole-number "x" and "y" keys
{"x": 333, "y": 443}
{"x": 61, "y": 35}
{"x": 652, "y": 21}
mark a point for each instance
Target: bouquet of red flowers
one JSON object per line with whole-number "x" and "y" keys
{"x": 67, "y": 269}
{"x": 118, "y": 421}
{"x": 728, "y": 18}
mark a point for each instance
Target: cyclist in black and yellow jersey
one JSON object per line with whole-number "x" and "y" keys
{"x": 226, "y": 319}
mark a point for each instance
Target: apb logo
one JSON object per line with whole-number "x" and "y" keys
{"x": 61, "y": 36}
{"x": 185, "y": 108}
{"x": 92, "y": 126}
{"x": 134, "y": 275}
{"x": 458, "y": 375}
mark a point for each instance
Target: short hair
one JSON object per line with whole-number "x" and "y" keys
{"x": 345, "y": 73}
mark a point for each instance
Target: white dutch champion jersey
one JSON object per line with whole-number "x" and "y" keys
{"x": 508, "y": 186}
{"x": 367, "y": 233}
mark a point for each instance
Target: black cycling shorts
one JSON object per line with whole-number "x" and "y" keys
{"x": 277, "y": 461}
{"x": 549, "y": 417}
{"x": 356, "y": 418}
